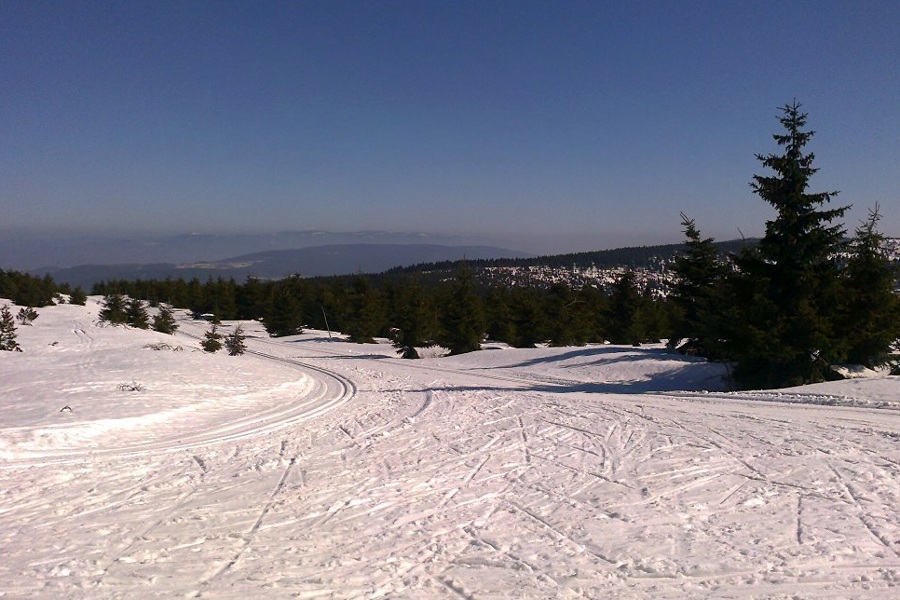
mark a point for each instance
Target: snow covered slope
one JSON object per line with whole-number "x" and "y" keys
{"x": 319, "y": 469}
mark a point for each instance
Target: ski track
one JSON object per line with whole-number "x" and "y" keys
{"x": 442, "y": 482}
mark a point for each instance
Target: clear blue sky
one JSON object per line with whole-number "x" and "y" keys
{"x": 550, "y": 126}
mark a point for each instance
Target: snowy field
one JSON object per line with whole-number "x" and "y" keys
{"x": 312, "y": 468}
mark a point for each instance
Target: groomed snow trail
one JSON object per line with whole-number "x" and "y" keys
{"x": 501, "y": 474}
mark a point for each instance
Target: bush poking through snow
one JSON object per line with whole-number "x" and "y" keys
{"x": 163, "y": 346}
{"x": 134, "y": 386}
{"x": 27, "y": 315}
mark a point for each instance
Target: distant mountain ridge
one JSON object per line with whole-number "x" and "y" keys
{"x": 47, "y": 253}
{"x": 312, "y": 261}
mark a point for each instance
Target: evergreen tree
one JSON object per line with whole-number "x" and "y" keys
{"x": 415, "y": 320}
{"x": 499, "y": 315}
{"x": 697, "y": 296}
{"x": 164, "y": 320}
{"x": 871, "y": 312}
{"x": 567, "y": 321}
{"x": 786, "y": 293}
{"x": 623, "y": 317}
{"x": 78, "y": 296}
{"x": 284, "y": 317}
{"x": 234, "y": 342}
{"x": 8, "y": 331}
{"x": 528, "y": 317}
{"x": 136, "y": 314}
{"x": 593, "y": 306}
{"x": 462, "y": 318}
{"x": 114, "y": 310}
{"x": 365, "y": 315}
{"x": 212, "y": 339}
{"x": 250, "y": 299}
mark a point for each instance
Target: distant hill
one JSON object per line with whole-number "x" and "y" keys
{"x": 637, "y": 257}
{"x": 47, "y": 252}
{"x": 313, "y": 261}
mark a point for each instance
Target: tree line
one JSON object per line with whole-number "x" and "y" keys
{"x": 457, "y": 313}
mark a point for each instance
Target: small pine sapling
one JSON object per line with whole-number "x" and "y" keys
{"x": 234, "y": 343}
{"x": 8, "y": 331}
{"x": 212, "y": 340}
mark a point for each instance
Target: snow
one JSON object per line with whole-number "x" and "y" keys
{"x": 312, "y": 468}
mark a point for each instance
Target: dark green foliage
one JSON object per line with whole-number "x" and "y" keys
{"x": 625, "y": 317}
{"x": 569, "y": 321}
{"x": 8, "y": 341}
{"x": 498, "y": 315}
{"x": 250, "y": 299}
{"x": 697, "y": 296}
{"x": 870, "y": 320}
{"x": 27, "y": 290}
{"x": 234, "y": 342}
{"x": 414, "y": 318}
{"x": 787, "y": 291}
{"x": 114, "y": 310}
{"x": 462, "y": 317}
{"x": 284, "y": 316}
{"x": 78, "y": 296}
{"x": 164, "y": 320}
{"x": 136, "y": 314}
{"x": 527, "y": 308}
{"x": 27, "y": 315}
{"x": 212, "y": 339}
{"x": 363, "y": 317}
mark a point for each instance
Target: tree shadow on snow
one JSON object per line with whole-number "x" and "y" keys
{"x": 608, "y": 355}
{"x": 658, "y": 383}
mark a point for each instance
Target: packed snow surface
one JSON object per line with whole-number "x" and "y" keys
{"x": 315, "y": 468}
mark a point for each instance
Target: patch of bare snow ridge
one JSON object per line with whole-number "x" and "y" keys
{"x": 315, "y": 468}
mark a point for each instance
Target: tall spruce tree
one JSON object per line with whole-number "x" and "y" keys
{"x": 285, "y": 315}
{"x": 871, "y": 310}
{"x": 697, "y": 295}
{"x": 415, "y": 319}
{"x": 567, "y": 322}
{"x": 528, "y": 317}
{"x": 624, "y": 322}
{"x": 365, "y": 312}
{"x": 787, "y": 292}
{"x": 462, "y": 317}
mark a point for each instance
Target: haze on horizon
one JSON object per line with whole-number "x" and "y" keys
{"x": 537, "y": 126}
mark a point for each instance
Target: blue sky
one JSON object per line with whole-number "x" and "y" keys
{"x": 546, "y": 126}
